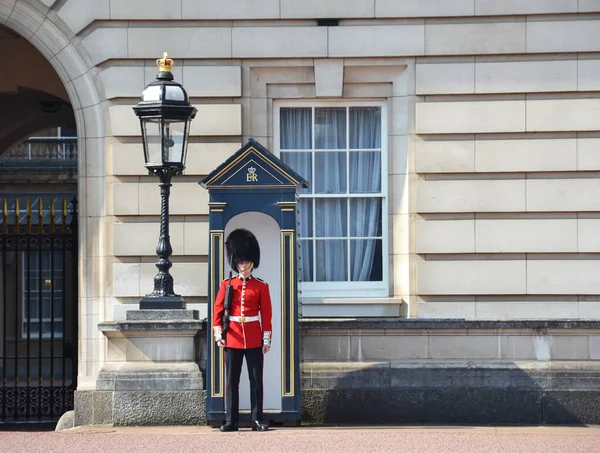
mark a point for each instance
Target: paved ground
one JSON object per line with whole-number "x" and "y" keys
{"x": 363, "y": 439}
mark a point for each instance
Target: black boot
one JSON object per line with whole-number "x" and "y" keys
{"x": 257, "y": 425}
{"x": 229, "y": 426}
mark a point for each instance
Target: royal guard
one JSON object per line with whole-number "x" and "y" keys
{"x": 242, "y": 325}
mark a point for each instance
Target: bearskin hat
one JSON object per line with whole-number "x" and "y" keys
{"x": 242, "y": 245}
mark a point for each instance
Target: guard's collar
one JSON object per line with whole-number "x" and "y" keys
{"x": 244, "y": 279}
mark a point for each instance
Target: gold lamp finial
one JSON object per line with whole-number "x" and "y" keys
{"x": 165, "y": 64}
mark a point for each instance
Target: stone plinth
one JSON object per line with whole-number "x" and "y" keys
{"x": 152, "y": 376}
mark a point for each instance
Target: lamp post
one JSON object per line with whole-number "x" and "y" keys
{"x": 165, "y": 115}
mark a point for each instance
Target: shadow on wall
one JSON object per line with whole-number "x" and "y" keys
{"x": 467, "y": 392}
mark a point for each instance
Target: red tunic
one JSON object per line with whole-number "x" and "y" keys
{"x": 249, "y": 298}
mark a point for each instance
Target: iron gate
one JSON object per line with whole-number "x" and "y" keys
{"x": 38, "y": 312}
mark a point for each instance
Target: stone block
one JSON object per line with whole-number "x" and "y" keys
{"x": 25, "y": 19}
{"x": 49, "y": 39}
{"x": 500, "y": 36}
{"x": 588, "y": 6}
{"x": 190, "y": 278}
{"x": 517, "y": 7}
{"x": 449, "y": 77}
{"x": 418, "y": 8}
{"x": 195, "y": 238}
{"x": 520, "y": 155}
{"x": 144, "y": 348}
{"x": 526, "y": 235}
{"x": 159, "y": 408}
{"x": 472, "y": 277}
{"x": 513, "y": 347}
{"x": 185, "y": 42}
{"x": 279, "y": 42}
{"x": 233, "y": 9}
{"x": 126, "y": 280}
{"x": 316, "y": 9}
{"x": 128, "y": 159}
{"x": 139, "y": 239}
{"x": 186, "y": 198}
{"x": 565, "y": 195}
{"x": 588, "y": 239}
{"x": 125, "y": 199}
{"x": 445, "y": 156}
{"x": 334, "y": 349}
{"x": 203, "y": 158}
{"x": 212, "y": 81}
{"x": 589, "y": 310}
{"x": 500, "y": 195}
{"x": 70, "y": 61}
{"x": 463, "y": 347}
{"x": 6, "y": 8}
{"x": 534, "y": 309}
{"x": 143, "y": 10}
{"x": 123, "y": 81}
{"x": 525, "y": 76}
{"x": 588, "y": 154}
{"x": 446, "y": 310}
{"x": 469, "y": 117}
{"x": 587, "y": 69}
{"x": 392, "y": 347}
{"x": 432, "y": 236}
{"x": 566, "y": 276}
{"x": 377, "y": 40}
{"x": 78, "y": 14}
{"x": 106, "y": 43}
{"x": 329, "y": 77}
{"x": 572, "y": 34}
{"x": 569, "y": 347}
{"x": 222, "y": 119}
{"x": 563, "y": 115}
{"x": 84, "y": 407}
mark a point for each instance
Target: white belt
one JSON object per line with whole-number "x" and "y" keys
{"x": 244, "y": 318}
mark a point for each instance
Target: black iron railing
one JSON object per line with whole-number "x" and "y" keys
{"x": 38, "y": 307}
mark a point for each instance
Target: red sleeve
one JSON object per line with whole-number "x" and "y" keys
{"x": 219, "y": 306}
{"x": 266, "y": 311}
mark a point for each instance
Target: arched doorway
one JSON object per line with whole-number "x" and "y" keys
{"x": 48, "y": 102}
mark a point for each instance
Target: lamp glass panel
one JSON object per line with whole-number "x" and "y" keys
{"x": 152, "y": 93}
{"x": 174, "y": 141}
{"x": 174, "y": 93}
{"x": 152, "y": 142}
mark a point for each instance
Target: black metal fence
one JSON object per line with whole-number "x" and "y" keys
{"x": 38, "y": 311}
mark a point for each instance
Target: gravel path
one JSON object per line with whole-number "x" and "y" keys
{"x": 307, "y": 439}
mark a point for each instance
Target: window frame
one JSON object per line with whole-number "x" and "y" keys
{"x": 345, "y": 289}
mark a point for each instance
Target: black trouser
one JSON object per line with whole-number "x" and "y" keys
{"x": 233, "y": 370}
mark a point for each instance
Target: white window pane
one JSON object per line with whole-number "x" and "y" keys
{"x": 301, "y": 163}
{"x": 365, "y": 172}
{"x": 331, "y": 217}
{"x": 365, "y": 215}
{"x": 330, "y": 128}
{"x": 305, "y": 218}
{"x": 365, "y": 127}
{"x": 331, "y": 262}
{"x": 366, "y": 260}
{"x": 330, "y": 172}
{"x": 296, "y": 128}
{"x": 306, "y": 260}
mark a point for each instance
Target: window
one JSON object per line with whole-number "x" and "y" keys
{"x": 340, "y": 149}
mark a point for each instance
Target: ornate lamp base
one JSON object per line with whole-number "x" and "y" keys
{"x": 174, "y": 302}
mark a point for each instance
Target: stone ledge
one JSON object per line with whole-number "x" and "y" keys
{"x": 181, "y": 324}
{"x": 404, "y": 323}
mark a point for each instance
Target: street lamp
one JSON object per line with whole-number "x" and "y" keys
{"x": 165, "y": 115}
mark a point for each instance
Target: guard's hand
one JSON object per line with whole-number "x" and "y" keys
{"x": 221, "y": 343}
{"x": 266, "y": 348}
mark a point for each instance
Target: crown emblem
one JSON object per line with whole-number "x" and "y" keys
{"x": 251, "y": 176}
{"x": 165, "y": 64}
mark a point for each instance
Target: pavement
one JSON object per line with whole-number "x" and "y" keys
{"x": 328, "y": 439}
